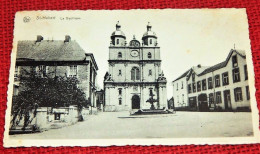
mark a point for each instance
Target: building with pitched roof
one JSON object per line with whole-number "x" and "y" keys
{"x": 180, "y": 95}
{"x": 57, "y": 58}
{"x": 135, "y": 76}
{"x": 223, "y": 86}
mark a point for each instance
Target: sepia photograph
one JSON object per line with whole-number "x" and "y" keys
{"x": 131, "y": 77}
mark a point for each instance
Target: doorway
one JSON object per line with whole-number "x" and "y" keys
{"x": 227, "y": 100}
{"x": 135, "y": 102}
{"x": 203, "y": 103}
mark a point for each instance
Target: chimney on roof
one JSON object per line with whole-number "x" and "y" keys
{"x": 67, "y": 38}
{"x": 199, "y": 66}
{"x": 39, "y": 38}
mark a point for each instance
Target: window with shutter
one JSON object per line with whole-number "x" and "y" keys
{"x": 217, "y": 81}
{"x": 238, "y": 94}
{"x": 218, "y": 97}
{"x": 204, "y": 84}
{"x": 210, "y": 85}
{"x": 236, "y": 75}
{"x": 225, "y": 79}
{"x": 198, "y": 86}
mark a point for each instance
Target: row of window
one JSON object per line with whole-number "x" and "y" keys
{"x": 202, "y": 85}
{"x": 42, "y": 70}
{"x": 119, "y": 55}
{"x": 238, "y": 96}
{"x": 120, "y": 94}
{"x": 216, "y": 98}
{"x": 117, "y": 41}
{"x": 135, "y": 73}
{"x": 120, "y": 91}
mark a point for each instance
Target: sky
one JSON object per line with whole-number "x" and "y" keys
{"x": 187, "y": 37}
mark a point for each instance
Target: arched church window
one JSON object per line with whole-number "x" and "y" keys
{"x": 117, "y": 41}
{"x": 151, "y": 41}
{"x": 135, "y": 73}
{"x": 149, "y": 55}
{"x": 119, "y": 55}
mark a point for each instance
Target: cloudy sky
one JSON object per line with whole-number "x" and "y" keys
{"x": 187, "y": 37}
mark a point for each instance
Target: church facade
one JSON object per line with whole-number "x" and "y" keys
{"x": 134, "y": 79}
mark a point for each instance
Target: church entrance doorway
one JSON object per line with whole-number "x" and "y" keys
{"x": 135, "y": 102}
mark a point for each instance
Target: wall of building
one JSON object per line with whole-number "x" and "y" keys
{"x": 83, "y": 74}
{"x": 180, "y": 93}
{"x": 112, "y": 96}
{"x": 126, "y": 68}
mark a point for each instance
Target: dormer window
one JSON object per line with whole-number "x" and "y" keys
{"x": 234, "y": 61}
{"x": 149, "y": 55}
{"x": 193, "y": 77}
{"x": 119, "y": 55}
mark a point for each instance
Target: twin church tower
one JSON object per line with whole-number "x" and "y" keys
{"x": 134, "y": 78}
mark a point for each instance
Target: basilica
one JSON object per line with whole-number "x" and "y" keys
{"x": 134, "y": 79}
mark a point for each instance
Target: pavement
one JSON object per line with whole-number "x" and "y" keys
{"x": 179, "y": 125}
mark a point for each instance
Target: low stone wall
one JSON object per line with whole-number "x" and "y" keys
{"x": 51, "y": 118}
{"x": 113, "y": 108}
{"x": 57, "y": 118}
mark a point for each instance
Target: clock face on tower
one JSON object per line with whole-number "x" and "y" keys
{"x": 134, "y": 53}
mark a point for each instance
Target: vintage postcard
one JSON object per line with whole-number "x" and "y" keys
{"x": 131, "y": 77}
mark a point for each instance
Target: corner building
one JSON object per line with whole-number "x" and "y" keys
{"x": 134, "y": 73}
{"x": 51, "y": 58}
